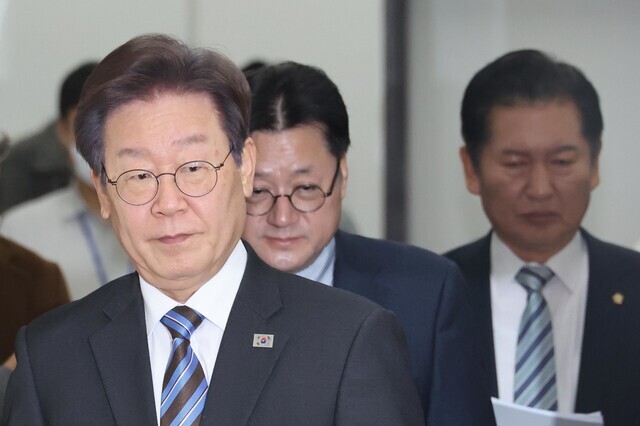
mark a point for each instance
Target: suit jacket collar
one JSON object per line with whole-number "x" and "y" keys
{"x": 602, "y": 323}
{"x": 131, "y": 401}
{"x": 477, "y": 272}
{"x": 242, "y": 370}
{"x": 349, "y": 273}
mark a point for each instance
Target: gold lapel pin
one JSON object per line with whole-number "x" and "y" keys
{"x": 618, "y": 298}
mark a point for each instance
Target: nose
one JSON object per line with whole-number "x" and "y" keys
{"x": 283, "y": 214}
{"x": 540, "y": 184}
{"x": 169, "y": 200}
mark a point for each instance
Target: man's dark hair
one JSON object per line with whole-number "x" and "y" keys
{"x": 526, "y": 77}
{"x": 151, "y": 65}
{"x": 252, "y": 67}
{"x": 72, "y": 86}
{"x": 289, "y": 94}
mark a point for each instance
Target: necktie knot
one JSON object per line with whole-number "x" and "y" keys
{"x": 533, "y": 277}
{"x": 181, "y": 322}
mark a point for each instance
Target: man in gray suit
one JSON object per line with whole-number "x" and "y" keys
{"x": 204, "y": 332}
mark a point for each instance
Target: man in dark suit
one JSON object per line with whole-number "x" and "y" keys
{"x": 532, "y": 129}
{"x": 300, "y": 126}
{"x": 204, "y": 332}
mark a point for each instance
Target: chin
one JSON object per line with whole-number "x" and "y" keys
{"x": 286, "y": 265}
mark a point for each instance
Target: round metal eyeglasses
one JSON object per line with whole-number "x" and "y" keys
{"x": 304, "y": 198}
{"x": 194, "y": 179}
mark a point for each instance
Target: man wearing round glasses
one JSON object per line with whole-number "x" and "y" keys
{"x": 203, "y": 332}
{"x": 300, "y": 127}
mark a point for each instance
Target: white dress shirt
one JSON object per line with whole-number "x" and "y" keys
{"x": 321, "y": 270}
{"x": 213, "y": 300}
{"x": 566, "y": 296}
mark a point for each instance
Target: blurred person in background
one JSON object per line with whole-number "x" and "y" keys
{"x": 65, "y": 226}
{"x": 558, "y": 309}
{"x": 39, "y": 164}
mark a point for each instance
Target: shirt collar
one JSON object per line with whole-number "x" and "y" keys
{"x": 321, "y": 270}
{"x": 505, "y": 264}
{"x": 213, "y": 300}
{"x": 565, "y": 263}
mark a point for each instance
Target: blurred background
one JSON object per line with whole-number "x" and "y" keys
{"x": 443, "y": 43}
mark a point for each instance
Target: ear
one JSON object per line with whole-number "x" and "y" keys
{"x": 248, "y": 167}
{"x": 595, "y": 172}
{"x": 101, "y": 190}
{"x": 470, "y": 175}
{"x": 344, "y": 172}
{"x": 64, "y": 131}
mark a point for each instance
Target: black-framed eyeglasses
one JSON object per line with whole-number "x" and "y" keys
{"x": 194, "y": 178}
{"x": 304, "y": 198}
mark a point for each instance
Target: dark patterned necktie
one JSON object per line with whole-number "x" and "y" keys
{"x": 535, "y": 379}
{"x": 184, "y": 388}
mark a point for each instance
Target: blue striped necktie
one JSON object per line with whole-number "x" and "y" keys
{"x": 184, "y": 388}
{"x": 535, "y": 378}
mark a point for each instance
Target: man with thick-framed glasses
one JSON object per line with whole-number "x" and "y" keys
{"x": 306, "y": 198}
{"x": 203, "y": 332}
{"x": 300, "y": 127}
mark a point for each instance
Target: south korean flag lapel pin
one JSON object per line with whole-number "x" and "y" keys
{"x": 263, "y": 340}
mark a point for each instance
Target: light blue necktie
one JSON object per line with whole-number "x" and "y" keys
{"x": 535, "y": 378}
{"x": 184, "y": 388}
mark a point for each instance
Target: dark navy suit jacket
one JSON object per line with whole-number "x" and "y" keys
{"x": 429, "y": 297}
{"x": 609, "y": 377}
{"x": 336, "y": 358}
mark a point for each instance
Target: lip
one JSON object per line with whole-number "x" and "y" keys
{"x": 174, "y": 239}
{"x": 282, "y": 242}
{"x": 540, "y": 217}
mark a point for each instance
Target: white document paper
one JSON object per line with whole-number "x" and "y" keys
{"x": 509, "y": 414}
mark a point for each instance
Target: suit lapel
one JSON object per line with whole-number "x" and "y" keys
{"x": 347, "y": 276}
{"x": 131, "y": 400}
{"x": 592, "y": 375}
{"x": 477, "y": 271}
{"x": 242, "y": 370}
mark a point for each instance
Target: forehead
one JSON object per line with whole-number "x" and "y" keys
{"x": 291, "y": 149}
{"x": 539, "y": 126}
{"x": 167, "y": 122}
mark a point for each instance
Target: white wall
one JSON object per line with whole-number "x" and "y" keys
{"x": 41, "y": 41}
{"x": 453, "y": 39}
